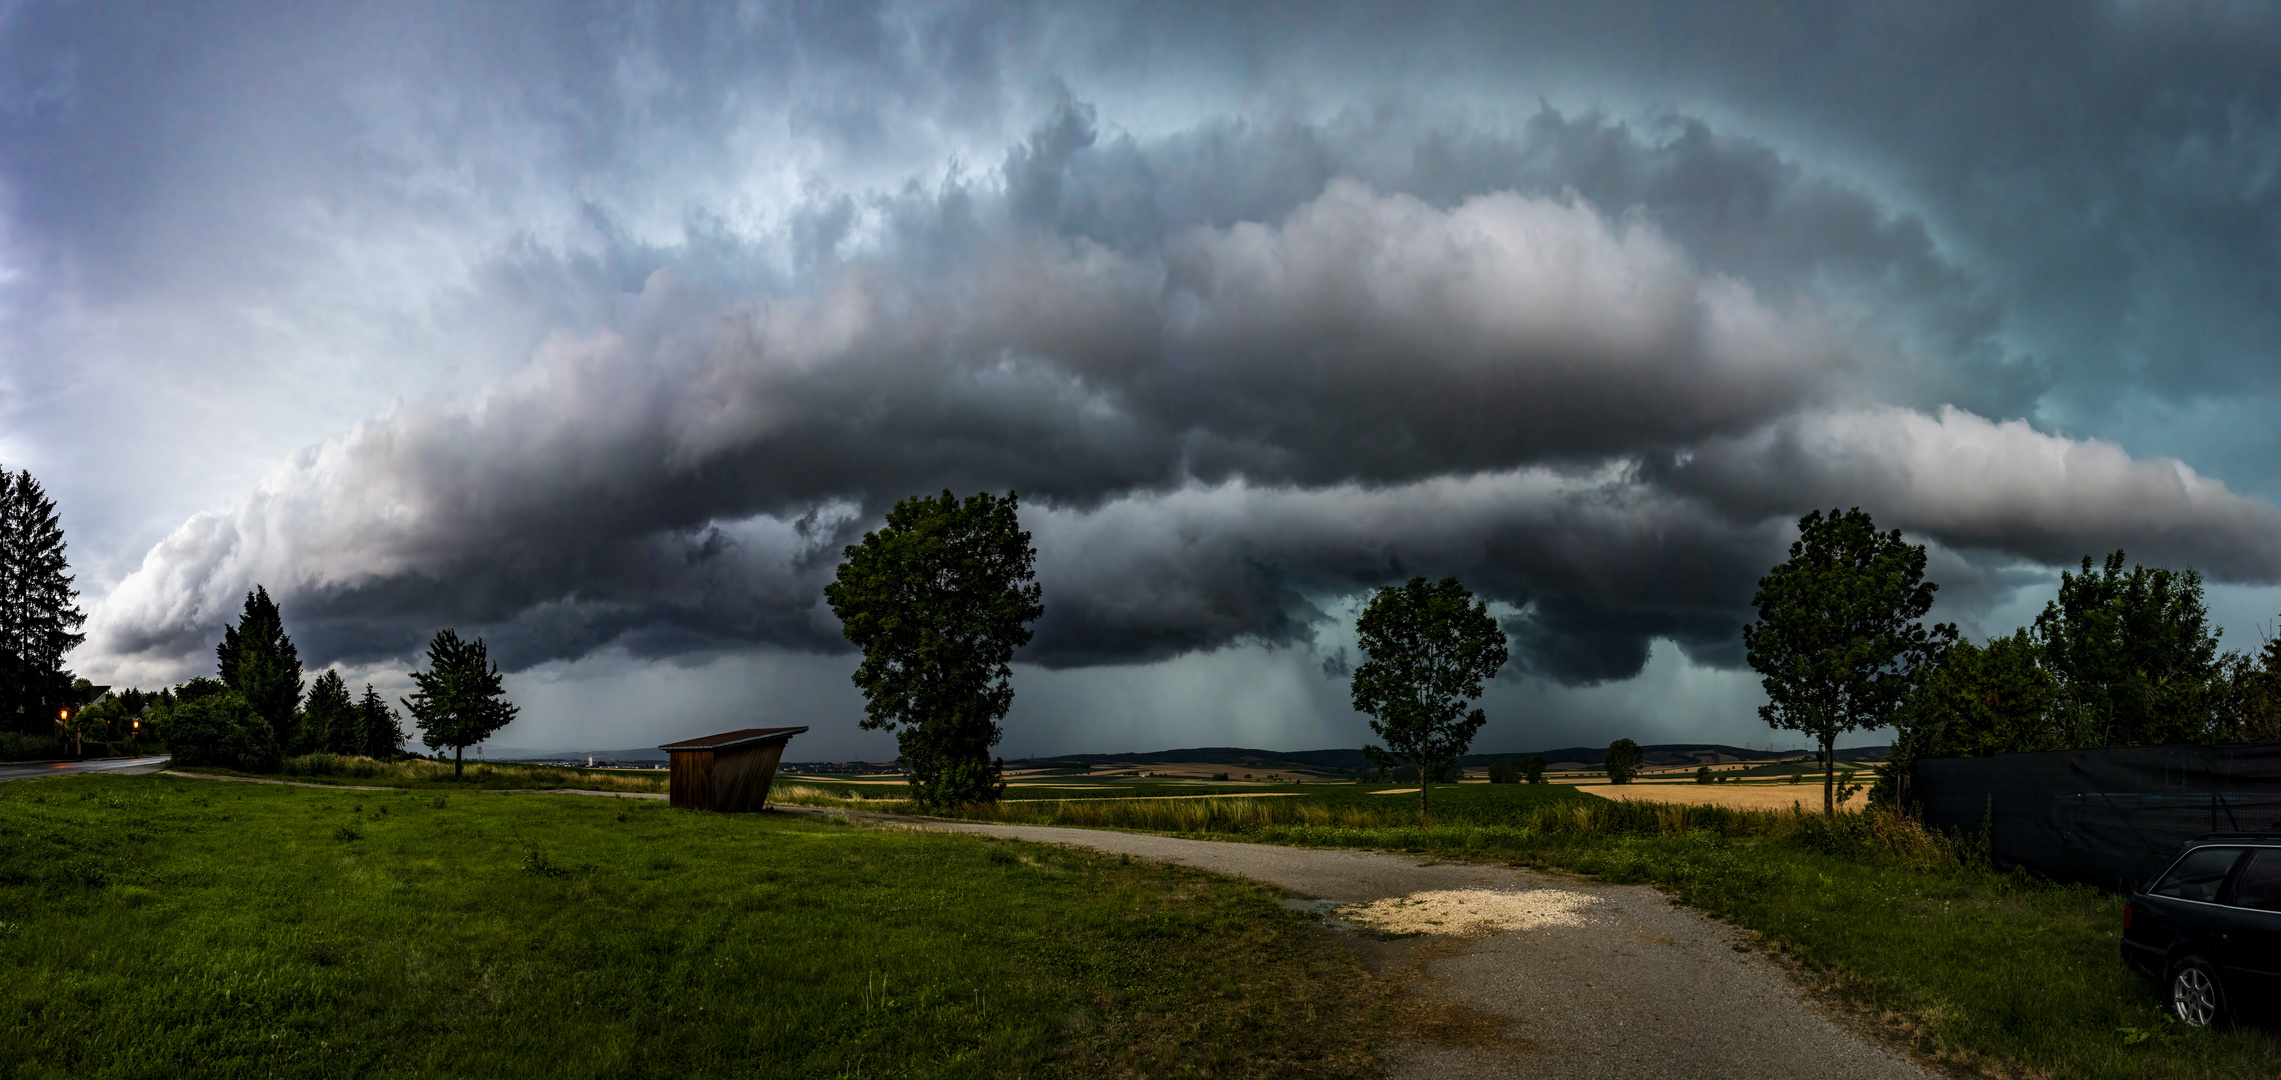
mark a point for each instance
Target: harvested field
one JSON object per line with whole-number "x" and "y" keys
{"x": 1737, "y": 796}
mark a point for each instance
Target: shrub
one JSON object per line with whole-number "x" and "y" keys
{"x": 219, "y": 730}
{"x": 1505, "y": 772}
{"x": 16, "y": 746}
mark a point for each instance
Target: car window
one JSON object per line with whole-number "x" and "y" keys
{"x": 2198, "y": 875}
{"x": 2259, "y": 885}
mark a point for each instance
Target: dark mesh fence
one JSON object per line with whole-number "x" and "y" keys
{"x": 2110, "y": 817}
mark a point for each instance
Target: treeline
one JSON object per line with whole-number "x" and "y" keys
{"x": 2119, "y": 658}
{"x": 253, "y": 714}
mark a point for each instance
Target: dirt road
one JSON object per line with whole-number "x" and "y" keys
{"x": 1634, "y": 986}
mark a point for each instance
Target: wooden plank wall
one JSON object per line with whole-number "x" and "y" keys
{"x": 741, "y": 777}
{"x": 691, "y": 785}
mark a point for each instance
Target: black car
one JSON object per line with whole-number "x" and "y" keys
{"x": 2208, "y": 928}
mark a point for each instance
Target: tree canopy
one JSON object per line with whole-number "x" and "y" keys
{"x": 1429, "y": 647}
{"x": 259, "y": 662}
{"x": 462, "y": 698}
{"x": 2134, "y": 655}
{"x": 1623, "y": 761}
{"x": 39, "y": 619}
{"x": 1839, "y": 642}
{"x": 938, "y": 599}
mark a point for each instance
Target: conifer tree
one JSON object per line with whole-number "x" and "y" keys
{"x": 259, "y": 662}
{"x": 330, "y": 721}
{"x": 38, "y": 619}
{"x": 380, "y": 728}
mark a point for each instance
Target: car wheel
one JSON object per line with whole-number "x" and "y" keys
{"x": 2196, "y": 996}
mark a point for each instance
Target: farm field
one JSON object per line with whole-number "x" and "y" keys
{"x": 161, "y": 926}
{"x": 1751, "y": 796}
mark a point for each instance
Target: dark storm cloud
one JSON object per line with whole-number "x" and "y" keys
{"x": 1591, "y": 358}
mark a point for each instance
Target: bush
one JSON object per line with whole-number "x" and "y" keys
{"x": 1505, "y": 772}
{"x": 219, "y": 730}
{"x": 16, "y": 746}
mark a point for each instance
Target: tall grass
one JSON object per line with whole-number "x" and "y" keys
{"x": 1872, "y": 836}
{"x": 424, "y": 773}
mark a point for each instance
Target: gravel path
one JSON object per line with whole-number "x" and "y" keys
{"x": 1643, "y": 988}
{"x": 32, "y": 770}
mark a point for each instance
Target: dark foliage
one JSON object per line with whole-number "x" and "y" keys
{"x": 259, "y": 662}
{"x": 1623, "y": 761}
{"x": 938, "y": 599}
{"x": 221, "y": 730}
{"x": 2134, "y": 654}
{"x": 38, "y": 617}
{"x": 380, "y": 729}
{"x": 329, "y": 720}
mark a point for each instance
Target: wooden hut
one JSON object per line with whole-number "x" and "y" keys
{"x": 729, "y": 772}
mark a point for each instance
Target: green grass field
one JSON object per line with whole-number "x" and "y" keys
{"x": 163, "y": 927}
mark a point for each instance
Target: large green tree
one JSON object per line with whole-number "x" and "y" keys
{"x": 258, "y": 660}
{"x": 39, "y": 619}
{"x": 1839, "y": 639}
{"x": 1428, "y": 649}
{"x": 462, "y": 698}
{"x": 938, "y": 599}
{"x": 2135, "y": 655}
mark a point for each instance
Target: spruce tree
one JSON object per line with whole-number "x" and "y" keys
{"x": 381, "y": 729}
{"x": 38, "y": 619}
{"x": 330, "y": 721}
{"x": 259, "y": 662}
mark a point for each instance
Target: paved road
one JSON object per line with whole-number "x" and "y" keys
{"x": 123, "y": 766}
{"x": 1644, "y": 988}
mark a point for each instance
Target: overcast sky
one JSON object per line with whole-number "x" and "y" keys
{"x": 598, "y": 331}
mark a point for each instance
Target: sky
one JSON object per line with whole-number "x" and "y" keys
{"x": 599, "y": 330}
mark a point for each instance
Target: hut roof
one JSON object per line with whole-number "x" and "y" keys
{"x": 727, "y": 739}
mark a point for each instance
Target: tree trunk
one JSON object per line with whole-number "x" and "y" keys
{"x": 1829, "y": 775}
{"x": 458, "y": 761}
{"x": 1421, "y": 794}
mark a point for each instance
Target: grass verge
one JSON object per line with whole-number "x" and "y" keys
{"x": 155, "y": 926}
{"x": 424, "y": 774}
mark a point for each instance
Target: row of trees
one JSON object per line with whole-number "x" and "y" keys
{"x": 254, "y": 713}
{"x": 2120, "y": 657}
{"x": 942, "y": 594}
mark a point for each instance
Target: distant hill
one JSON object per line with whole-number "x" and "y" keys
{"x": 1313, "y": 761}
{"x": 517, "y": 753}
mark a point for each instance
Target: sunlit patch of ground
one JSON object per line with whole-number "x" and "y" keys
{"x": 1466, "y": 912}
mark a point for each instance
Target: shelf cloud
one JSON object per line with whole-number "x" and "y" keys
{"x": 605, "y": 332}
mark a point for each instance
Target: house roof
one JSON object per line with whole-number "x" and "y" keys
{"x": 727, "y": 739}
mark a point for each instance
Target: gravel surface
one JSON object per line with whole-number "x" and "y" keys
{"x": 1639, "y": 987}
{"x": 115, "y": 766}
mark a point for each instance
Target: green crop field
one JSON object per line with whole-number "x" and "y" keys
{"x": 163, "y": 927}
